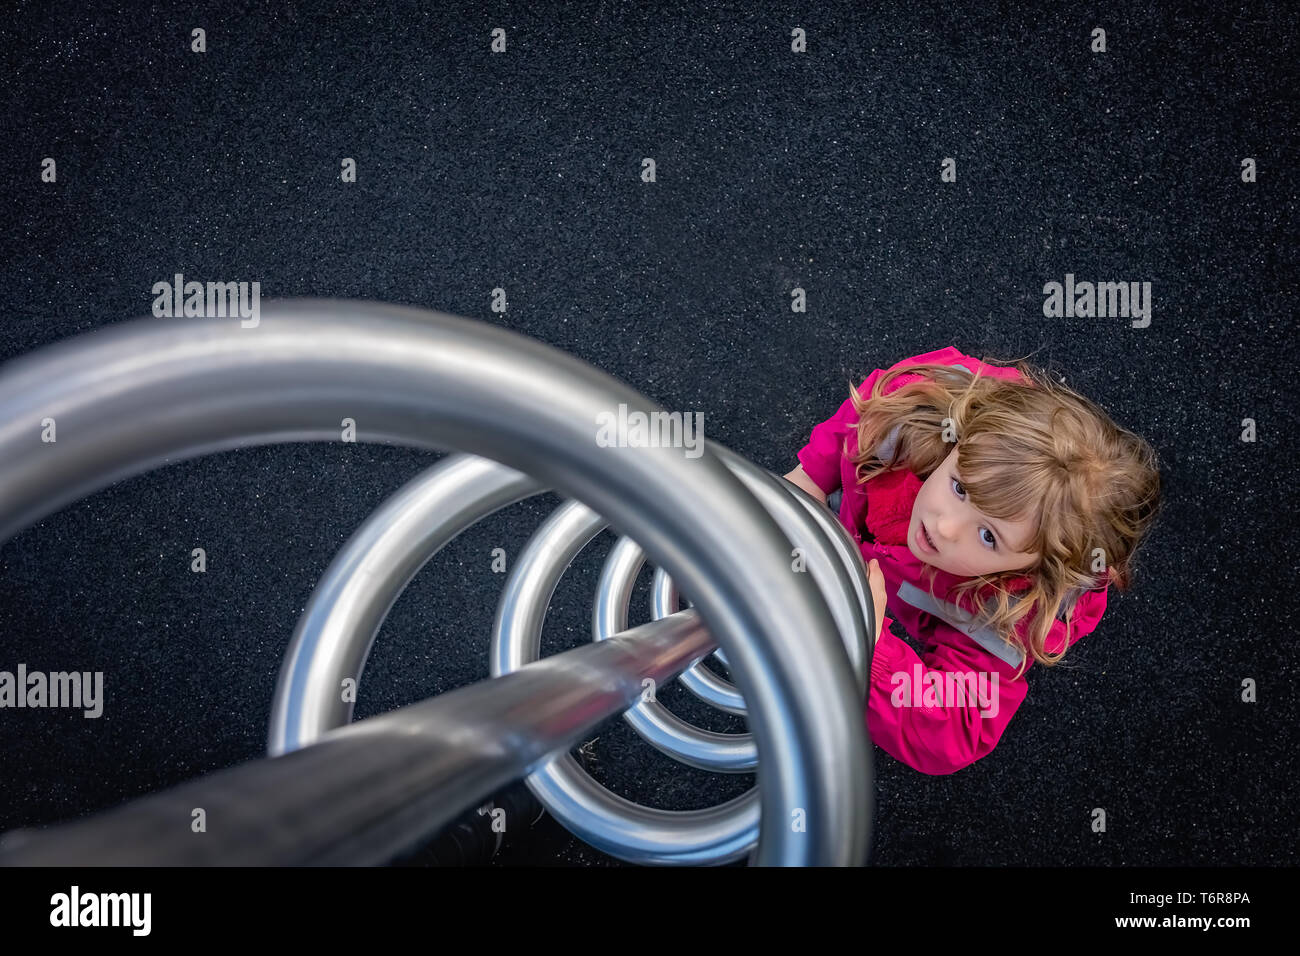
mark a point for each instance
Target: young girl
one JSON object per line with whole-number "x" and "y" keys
{"x": 995, "y": 507}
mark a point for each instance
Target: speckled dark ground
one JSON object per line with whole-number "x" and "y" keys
{"x": 775, "y": 170}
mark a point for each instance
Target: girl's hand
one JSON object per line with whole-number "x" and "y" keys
{"x": 876, "y": 578}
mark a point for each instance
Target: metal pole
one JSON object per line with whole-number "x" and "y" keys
{"x": 365, "y": 792}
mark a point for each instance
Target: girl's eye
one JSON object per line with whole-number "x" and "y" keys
{"x": 992, "y": 538}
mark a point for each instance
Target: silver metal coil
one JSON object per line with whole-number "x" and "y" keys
{"x": 778, "y": 581}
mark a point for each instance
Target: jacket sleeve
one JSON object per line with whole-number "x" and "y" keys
{"x": 821, "y": 456}
{"x": 938, "y": 739}
{"x": 944, "y": 739}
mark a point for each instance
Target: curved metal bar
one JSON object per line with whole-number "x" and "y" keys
{"x": 600, "y": 817}
{"x": 697, "y": 678}
{"x": 337, "y": 629}
{"x": 816, "y": 533}
{"x": 832, "y": 558}
{"x": 521, "y": 608}
{"x": 846, "y": 548}
{"x": 657, "y": 725}
{"x": 665, "y": 600}
{"x": 136, "y": 395}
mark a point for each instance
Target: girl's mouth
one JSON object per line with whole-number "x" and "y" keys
{"x": 923, "y": 538}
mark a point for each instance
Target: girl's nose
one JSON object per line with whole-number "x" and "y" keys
{"x": 942, "y": 528}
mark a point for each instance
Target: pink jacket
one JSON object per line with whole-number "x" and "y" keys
{"x": 936, "y": 735}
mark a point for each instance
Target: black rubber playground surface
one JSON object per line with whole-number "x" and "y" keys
{"x": 774, "y": 171}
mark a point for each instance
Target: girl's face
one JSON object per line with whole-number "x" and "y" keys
{"x": 961, "y": 539}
